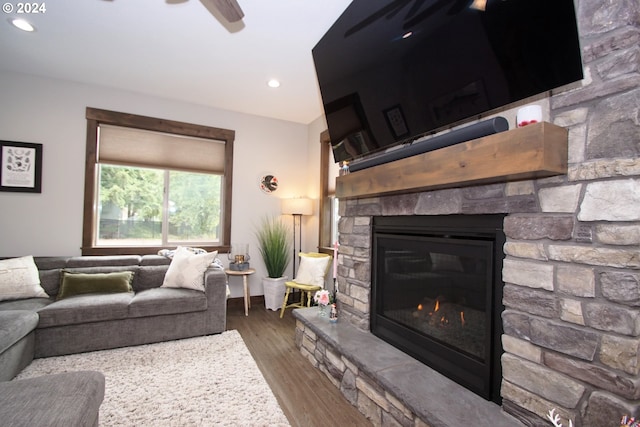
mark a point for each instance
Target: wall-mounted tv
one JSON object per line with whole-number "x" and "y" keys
{"x": 391, "y": 71}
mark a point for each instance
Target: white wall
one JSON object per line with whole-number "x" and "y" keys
{"x": 52, "y": 112}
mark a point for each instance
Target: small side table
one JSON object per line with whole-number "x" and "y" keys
{"x": 245, "y": 274}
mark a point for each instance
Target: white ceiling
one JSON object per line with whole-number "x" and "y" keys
{"x": 177, "y": 49}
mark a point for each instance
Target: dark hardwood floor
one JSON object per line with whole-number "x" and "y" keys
{"x": 305, "y": 394}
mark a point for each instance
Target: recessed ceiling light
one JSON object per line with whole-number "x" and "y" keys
{"x": 407, "y": 34}
{"x": 273, "y": 83}
{"x": 23, "y": 25}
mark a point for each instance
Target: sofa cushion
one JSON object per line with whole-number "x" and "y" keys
{"x": 90, "y": 283}
{"x": 67, "y": 399}
{"x": 50, "y": 262}
{"x": 29, "y": 304}
{"x": 159, "y": 301}
{"x": 150, "y": 276}
{"x": 187, "y": 269}
{"x": 14, "y": 325}
{"x": 50, "y": 281}
{"x": 85, "y": 308}
{"x": 103, "y": 260}
{"x": 154, "y": 260}
{"x": 19, "y": 279}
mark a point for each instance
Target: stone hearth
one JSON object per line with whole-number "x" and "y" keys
{"x": 572, "y": 258}
{"x": 389, "y": 387}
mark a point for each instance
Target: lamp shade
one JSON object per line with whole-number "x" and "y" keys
{"x": 298, "y": 206}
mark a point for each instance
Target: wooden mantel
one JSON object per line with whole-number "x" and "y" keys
{"x": 533, "y": 151}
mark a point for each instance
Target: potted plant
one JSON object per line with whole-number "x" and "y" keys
{"x": 275, "y": 248}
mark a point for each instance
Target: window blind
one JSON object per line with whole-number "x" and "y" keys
{"x": 137, "y": 147}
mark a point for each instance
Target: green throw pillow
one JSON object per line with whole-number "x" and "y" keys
{"x": 88, "y": 283}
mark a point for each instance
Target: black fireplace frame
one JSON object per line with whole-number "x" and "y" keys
{"x": 482, "y": 377}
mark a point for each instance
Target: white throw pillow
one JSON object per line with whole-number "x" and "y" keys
{"x": 312, "y": 269}
{"x": 187, "y": 269}
{"x": 19, "y": 279}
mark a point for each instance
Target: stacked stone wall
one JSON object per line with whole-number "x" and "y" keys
{"x": 572, "y": 256}
{"x": 365, "y": 393}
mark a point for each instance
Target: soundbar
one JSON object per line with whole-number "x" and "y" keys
{"x": 474, "y": 131}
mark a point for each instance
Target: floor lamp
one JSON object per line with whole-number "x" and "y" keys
{"x": 297, "y": 207}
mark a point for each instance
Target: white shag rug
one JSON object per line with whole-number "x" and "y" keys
{"x": 204, "y": 381}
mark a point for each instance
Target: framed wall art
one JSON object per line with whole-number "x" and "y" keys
{"x": 20, "y": 167}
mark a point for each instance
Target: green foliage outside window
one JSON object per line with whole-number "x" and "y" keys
{"x": 195, "y": 204}
{"x": 132, "y": 202}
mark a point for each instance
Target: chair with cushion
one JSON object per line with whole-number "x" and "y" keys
{"x": 310, "y": 279}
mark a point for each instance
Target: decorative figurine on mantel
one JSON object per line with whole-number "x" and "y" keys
{"x": 333, "y": 314}
{"x": 344, "y": 168}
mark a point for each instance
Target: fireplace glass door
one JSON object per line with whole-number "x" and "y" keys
{"x": 435, "y": 298}
{"x": 438, "y": 288}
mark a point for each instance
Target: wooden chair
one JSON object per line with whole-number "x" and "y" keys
{"x": 311, "y": 276}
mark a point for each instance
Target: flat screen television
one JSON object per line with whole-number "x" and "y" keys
{"x": 392, "y": 71}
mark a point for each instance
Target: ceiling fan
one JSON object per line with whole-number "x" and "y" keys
{"x": 230, "y": 9}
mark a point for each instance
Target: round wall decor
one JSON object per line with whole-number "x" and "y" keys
{"x": 268, "y": 183}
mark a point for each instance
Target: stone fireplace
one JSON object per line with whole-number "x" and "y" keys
{"x": 572, "y": 255}
{"x": 571, "y": 268}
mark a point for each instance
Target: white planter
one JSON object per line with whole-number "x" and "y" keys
{"x": 274, "y": 290}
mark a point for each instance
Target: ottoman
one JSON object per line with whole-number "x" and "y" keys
{"x": 58, "y": 400}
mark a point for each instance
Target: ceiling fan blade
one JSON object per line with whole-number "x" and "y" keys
{"x": 230, "y": 9}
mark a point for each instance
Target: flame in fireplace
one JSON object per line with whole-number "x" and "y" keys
{"x": 443, "y": 314}
{"x": 440, "y": 313}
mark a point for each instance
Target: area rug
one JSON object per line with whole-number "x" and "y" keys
{"x": 204, "y": 381}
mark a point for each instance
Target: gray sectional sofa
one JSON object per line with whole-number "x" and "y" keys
{"x": 43, "y": 327}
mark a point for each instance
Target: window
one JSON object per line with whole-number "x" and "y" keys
{"x": 153, "y": 184}
{"x": 329, "y": 216}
